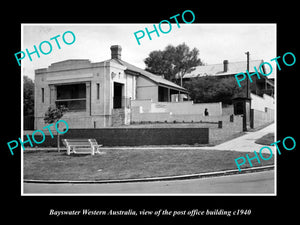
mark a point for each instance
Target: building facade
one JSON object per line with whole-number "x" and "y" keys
{"x": 259, "y": 86}
{"x": 97, "y": 94}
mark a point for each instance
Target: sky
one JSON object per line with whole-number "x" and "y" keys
{"x": 215, "y": 42}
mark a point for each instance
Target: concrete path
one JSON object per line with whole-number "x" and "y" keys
{"x": 246, "y": 143}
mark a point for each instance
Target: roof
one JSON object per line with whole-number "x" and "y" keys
{"x": 218, "y": 69}
{"x": 68, "y": 64}
{"x": 155, "y": 78}
{"x": 82, "y": 63}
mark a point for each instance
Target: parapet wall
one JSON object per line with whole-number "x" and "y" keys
{"x": 261, "y": 103}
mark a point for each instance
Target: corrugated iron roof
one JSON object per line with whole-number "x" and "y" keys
{"x": 156, "y": 78}
{"x": 218, "y": 69}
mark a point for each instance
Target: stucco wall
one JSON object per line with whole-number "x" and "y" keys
{"x": 262, "y": 118}
{"x": 260, "y": 103}
{"x": 146, "y": 89}
{"x": 147, "y": 110}
{"x": 188, "y": 107}
{"x": 99, "y": 110}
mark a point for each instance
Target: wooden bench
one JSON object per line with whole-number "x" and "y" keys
{"x": 82, "y": 146}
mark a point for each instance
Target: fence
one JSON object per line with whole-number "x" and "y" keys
{"x": 148, "y": 111}
{"x": 261, "y": 118}
{"x": 142, "y": 136}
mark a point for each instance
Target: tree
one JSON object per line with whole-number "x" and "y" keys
{"x": 173, "y": 61}
{"x": 28, "y": 94}
{"x": 54, "y": 114}
{"x": 214, "y": 89}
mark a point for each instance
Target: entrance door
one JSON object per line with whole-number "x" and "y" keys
{"x": 118, "y": 90}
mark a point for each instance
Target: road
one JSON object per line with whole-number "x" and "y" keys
{"x": 249, "y": 183}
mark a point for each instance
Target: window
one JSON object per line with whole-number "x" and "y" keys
{"x": 98, "y": 91}
{"x": 43, "y": 97}
{"x": 73, "y": 96}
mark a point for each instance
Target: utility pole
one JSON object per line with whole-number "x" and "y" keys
{"x": 247, "y": 89}
{"x": 250, "y": 113}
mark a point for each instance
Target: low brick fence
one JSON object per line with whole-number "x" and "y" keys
{"x": 136, "y": 136}
{"x": 142, "y": 136}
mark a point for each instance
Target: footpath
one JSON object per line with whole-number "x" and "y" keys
{"x": 246, "y": 143}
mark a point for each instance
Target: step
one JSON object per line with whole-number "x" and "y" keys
{"x": 83, "y": 151}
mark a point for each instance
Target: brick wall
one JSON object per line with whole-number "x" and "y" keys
{"x": 120, "y": 117}
{"x": 48, "y": 142}
{"x": 117, "y": 117}
{"x": 142, "y": 136}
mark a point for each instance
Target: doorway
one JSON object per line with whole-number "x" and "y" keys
{"x": 118, "y": 93}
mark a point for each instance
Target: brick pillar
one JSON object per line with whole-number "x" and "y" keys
{"x": 88, "y": 98}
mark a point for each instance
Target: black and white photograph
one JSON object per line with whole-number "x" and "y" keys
{"x": 171, "y": 114}
{"x": 109, "y": 113}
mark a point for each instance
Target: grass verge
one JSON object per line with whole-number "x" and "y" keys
{"x": 131, "y": 163}
{"x": 266, "y": 139}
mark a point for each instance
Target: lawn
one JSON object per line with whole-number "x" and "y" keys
{"x": 131, "y": 163}
{"x": 266, "y": 139}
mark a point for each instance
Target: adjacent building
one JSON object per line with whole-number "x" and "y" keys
{"x": 261, "y": 86}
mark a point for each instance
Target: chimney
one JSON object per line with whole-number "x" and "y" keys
{"x": 116, "y": 51}
{"x": 225, "y": 63}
